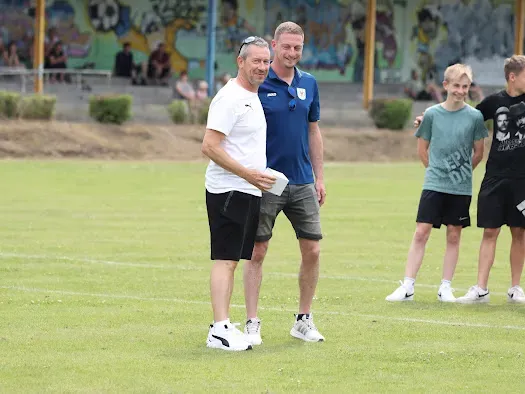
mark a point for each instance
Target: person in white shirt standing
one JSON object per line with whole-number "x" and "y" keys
{"x": 235, "y": 142}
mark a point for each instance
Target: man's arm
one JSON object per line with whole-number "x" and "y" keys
{"x": 422, "y": 150}
{"x": 316, "y": 155}
{"x": 479, "y": 148}
{"x": 212, "y": 148}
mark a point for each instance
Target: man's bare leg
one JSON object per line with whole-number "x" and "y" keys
{"x": 253, "y": 278}
{"x": 517, "y": 254}
{"x": 487, "y": 254}
{"x": 221, "y": 288}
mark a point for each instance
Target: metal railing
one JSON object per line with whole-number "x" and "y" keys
{"x": 28, "y": 75}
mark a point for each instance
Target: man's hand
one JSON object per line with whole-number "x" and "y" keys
{"x": 419, "y": 119}
{"x": 260, "y": 180}
{"x": 321, "y": 192}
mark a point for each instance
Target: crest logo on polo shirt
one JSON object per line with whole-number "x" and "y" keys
{"x": 301, "y": 93}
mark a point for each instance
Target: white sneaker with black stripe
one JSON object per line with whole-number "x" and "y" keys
{"x": 475, "y": 295}
{"x": 228, "y": 338}
{"x": 252, "y": 331}
{"x": 516, "y": 295}
{"x": 305, "y": 329}
{"x": 445, "y": 293}
{"x": 401, "y": 294}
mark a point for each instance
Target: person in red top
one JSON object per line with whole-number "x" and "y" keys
{"x": 159, "y": 65}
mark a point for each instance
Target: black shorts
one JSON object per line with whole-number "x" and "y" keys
{"x": 499, "y": 202}
{"x": 423, "y": 96}
{"x": 439, "y": 208}
{"x": 233, "y": 218}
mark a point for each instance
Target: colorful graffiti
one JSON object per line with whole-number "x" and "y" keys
{"x": 448, "y": 31}
{"x": 17, "y": 20}
{"x": 93, "y": 31}
{"x": 334, "y": 35}
{"x": 422, "y": 35}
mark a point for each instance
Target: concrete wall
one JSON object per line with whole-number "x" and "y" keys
{"x": 425, "y": 35}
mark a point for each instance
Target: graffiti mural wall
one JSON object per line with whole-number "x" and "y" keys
{"x": 422, "y": 35}
{"x": 448, "y": 31}
{"x": 334, "y": 35}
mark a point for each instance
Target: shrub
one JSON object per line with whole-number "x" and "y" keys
{"x": 37, "y": 106}
{"x": 179, "y": 112}
{"x": 202, "y": 114}
{"x": 390, "y": 113}
{"x": 9, "y": 104}
{"x": 114, "y": 109}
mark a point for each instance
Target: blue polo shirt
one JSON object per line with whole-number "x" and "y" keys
{"x": 287, "y": 119}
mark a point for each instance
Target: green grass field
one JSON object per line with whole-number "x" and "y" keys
{"x": 104, "y": 271}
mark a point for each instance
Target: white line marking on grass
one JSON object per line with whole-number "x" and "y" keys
{"x": 273, "y": 309}
{"x": 95, "y": 261}
{"x": 198, "y": 268}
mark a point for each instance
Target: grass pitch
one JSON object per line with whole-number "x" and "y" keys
{"x": 104, "y": 288}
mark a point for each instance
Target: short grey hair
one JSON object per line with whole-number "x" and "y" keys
{"x": 257, "y": 41}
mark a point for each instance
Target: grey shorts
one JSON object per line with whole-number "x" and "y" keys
{"x": 300, "y": 205}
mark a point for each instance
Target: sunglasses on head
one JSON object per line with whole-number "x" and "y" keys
{"x": 247, "y": 40}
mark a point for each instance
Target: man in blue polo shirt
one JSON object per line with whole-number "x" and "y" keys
{"x": 294, "y": 146}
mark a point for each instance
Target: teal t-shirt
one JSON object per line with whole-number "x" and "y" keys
{"x": 451, "y": 135}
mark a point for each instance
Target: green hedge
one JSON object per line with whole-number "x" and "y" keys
{"x": 9, "y": 104}
{"x": 389, "y": 113}
{"x": 37, "y": 106}
{"x": 115, "y": 109}
{"x": 179, "y": 112}
{"x": 202, "y": 114}
{"x": 34, "y": 106}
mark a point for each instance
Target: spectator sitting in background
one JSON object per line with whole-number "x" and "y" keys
{"x": 475, "y": 93}
{"x": 50, "y": 41}
{"x": 223, "y": 80}
{"x": 125, "y": 66}
{"x": 183, "y": 89}
{"x": 57, "y": 60}
{"x": 202, "y": 91}
{"x": 3, "y": 51}
{"x": 418, "y": 91}
{"x": 10, "y": 56}
{"x": 159, "y": 67}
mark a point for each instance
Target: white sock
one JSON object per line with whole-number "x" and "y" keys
{"x": 445, "y": 282}
{"x": 219, "y": 325}
{"x": 408, "y": 283}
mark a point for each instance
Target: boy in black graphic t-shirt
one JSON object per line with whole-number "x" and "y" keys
{"x": 501, "y": 199}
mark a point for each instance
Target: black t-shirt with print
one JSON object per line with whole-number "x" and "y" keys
{"x": 507, "y": 152}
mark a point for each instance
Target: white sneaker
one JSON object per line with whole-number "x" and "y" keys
{"x": 445, "y": 294}
{"x": 475, "y": 295}
{"x": 305, "y": 329}
{"x": 252, "y": 331}
{"x": 401, "y": 294}
{"x": 516, "y": 295}
{"x": 227, "y": 338}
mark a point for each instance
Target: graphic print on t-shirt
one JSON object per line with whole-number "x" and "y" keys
{"x": 510, "y": 127}
{"x": 502, "y": 124}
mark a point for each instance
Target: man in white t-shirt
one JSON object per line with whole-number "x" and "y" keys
{"x": 235, "y": 142}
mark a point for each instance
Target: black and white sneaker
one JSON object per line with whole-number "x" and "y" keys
{"x": 516, "y": 295}
{"x": 401, "y": 294}
{"x": 227, "y": 337}
{"x": 475, "y": 295}
{"x": 252, "y": 331}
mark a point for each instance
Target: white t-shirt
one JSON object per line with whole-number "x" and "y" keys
{"x": 237, "y": 113}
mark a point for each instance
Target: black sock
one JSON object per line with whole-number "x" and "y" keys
{"x": 300, "y": 316}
